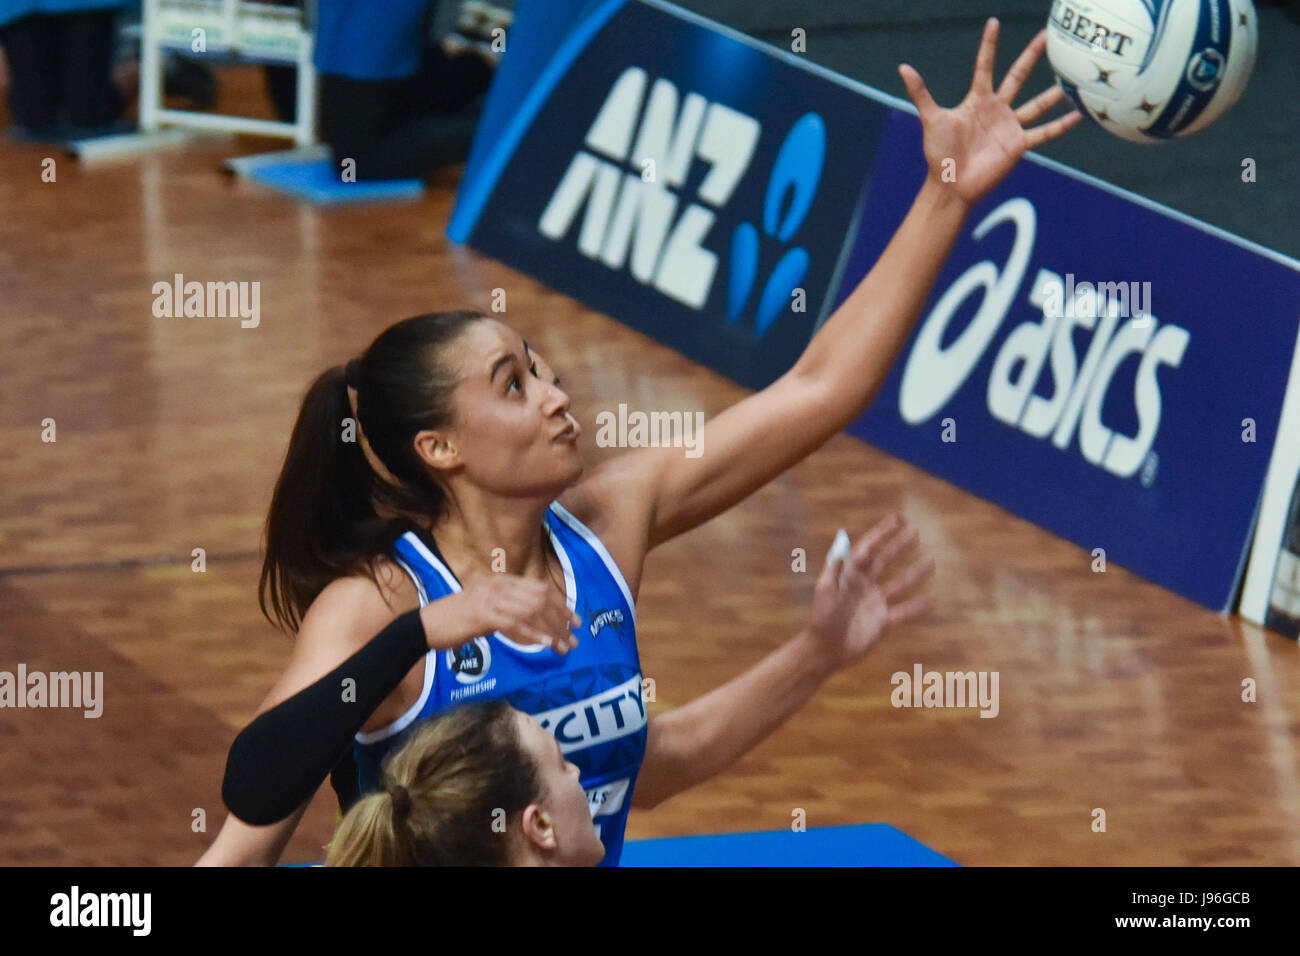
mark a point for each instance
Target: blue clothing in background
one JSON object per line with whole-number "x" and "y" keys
{"x": 370, "y": 41}
{"x": 11, "y": 10}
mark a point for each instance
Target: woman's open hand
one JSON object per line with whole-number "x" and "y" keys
{"x": 525, "y": 610}
{"x": 878, "y": 587}
{"x": 971, "y": 147}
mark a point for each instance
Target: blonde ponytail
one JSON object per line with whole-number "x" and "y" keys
{"x": 443, "y": 794}
{"x": 369, "y": 835}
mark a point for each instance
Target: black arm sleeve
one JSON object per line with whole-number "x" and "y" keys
{"x": 278, "y": 761}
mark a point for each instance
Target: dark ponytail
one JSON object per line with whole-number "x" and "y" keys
{"x": 323, "y": 523}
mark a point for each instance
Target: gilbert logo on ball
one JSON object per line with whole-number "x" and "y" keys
{"x": 1151, "y": 70}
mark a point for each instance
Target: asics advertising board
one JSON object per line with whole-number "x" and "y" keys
{"x": 1108, "y": 371}
{"x": 689, "y": 181}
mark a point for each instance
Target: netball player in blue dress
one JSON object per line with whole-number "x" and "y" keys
{"x": 473, "y": 507}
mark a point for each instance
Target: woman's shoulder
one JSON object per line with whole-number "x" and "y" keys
{"x": 607, "y": 504}
{"x": 363, "y": 599}
{"x": 605, "y": 497}
{"x": 348, "y": 612}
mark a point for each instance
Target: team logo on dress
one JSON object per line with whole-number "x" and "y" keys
{"x": 471, "y": 661}
{"x": 614, "y": 617}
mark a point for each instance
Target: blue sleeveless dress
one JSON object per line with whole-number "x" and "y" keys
{"x": 590, "y": 699}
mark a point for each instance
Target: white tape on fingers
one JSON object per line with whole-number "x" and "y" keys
{"x": 841, "y": 547}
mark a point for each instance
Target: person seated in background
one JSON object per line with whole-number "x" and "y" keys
{"x": 482, "y": 785}
{"x": 60, "y": 57}
{"x": 394, "y": 100}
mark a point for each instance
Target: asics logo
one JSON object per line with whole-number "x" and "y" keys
{"x": 933, "y": 373}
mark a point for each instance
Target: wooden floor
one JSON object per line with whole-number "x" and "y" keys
{"x": 1114, "y": 693}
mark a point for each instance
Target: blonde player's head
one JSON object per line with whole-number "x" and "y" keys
{"x": 481, "y": 785}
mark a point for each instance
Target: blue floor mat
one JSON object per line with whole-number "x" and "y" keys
{"x": 319, "y": 182}
{"x": 864, "y": 844}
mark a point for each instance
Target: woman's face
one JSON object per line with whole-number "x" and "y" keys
{"x": 513, "y": 433}
{"x": 567, "y": 835}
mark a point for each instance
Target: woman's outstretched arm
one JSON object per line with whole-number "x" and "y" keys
{"x": 854, "y": 603}
{"x": 849, "y": 358}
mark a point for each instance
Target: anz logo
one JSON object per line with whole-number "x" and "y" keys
{"x": 627, "y": 183}
{"x": 470, "y": 662}
{"x": 1042, "y": 354}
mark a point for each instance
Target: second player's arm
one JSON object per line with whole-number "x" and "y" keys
{"x": 346, "y": 614}
{"x": 279, "y": 761}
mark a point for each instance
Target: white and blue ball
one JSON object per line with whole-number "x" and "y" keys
{"x": 1152, "y": 70}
